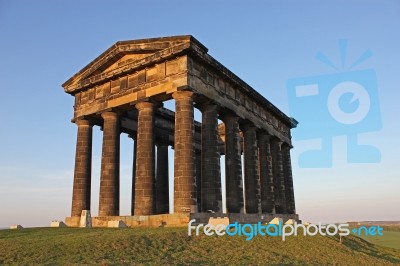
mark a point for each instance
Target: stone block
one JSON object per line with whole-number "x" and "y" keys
{"x": 72, "y": 221}
{"x": 57, "y": 224}
{"x": 16, "y": 226}
{"x": 86, "y": 219}
{"x": 221, "y": 222}
{"x": 276, "y": 220}
{"x": 116, "y": 224}
{"x": 290, "y": 221}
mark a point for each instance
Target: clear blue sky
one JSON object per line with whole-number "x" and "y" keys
{"x": 266, "y": 43}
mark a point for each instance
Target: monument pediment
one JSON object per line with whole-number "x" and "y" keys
{"x": 123, "y": 54}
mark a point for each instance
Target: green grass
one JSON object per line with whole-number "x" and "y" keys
{"x": 389, "y": 239}
{"x": 167, "y": 246}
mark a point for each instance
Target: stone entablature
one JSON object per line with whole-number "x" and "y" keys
{"x": 128, "y": 80}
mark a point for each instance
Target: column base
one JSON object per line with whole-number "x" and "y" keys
{"x": 159, "y": 220}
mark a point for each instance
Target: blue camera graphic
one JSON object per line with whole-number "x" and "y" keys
{"x": 331, "y": 105}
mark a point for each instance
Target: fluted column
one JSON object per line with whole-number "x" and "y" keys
{"x": 211, "y": 197}
{"x": 184, "y": 164}
{"x": 198, "y": 178}
{"x": 251, "y": 171}
{"x": 109, "y": 180}
{"x": 233, "y": 165}
{"x": 279, "y": 181}
{"x": 83, "y": 168}
{"x": 145, "y": 160}
{"x": 162, "y": 188}
{"x": 266, "y": 175}
{"x": 287, "y": 170}
{"x": 133, "y": 174}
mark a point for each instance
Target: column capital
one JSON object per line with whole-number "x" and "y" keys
{"x": 264, "y": 136}
{"x": 183, "y": 95}
{"x": 248, "y": 126}
{"x": 229, "y": 116}
{"x": 208, "y": 105}
{"x": 132, "y": 136}
{"x": 285, "y": 146}
{"x": 161, "y": 142}
{"x": 83, "y": 122}
{"x": 276, "y": 140}
{"x": 145, "y": 105}
{"x": 110, "y": 115}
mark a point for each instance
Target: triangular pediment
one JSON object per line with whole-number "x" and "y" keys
{"x": 118, "y": 61}
{"x": 126, "y": 52}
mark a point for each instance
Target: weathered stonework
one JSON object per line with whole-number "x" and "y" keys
{"x": 145, "y": 160}
{"x": 287, "y": 173}
{"x": 133, "y": 174}
{"x": 184, "y": 164}
{"x": 279, "y": 179}
{"x": 122, "y": 91}
{"x": 109, "y": 180}
{"x": 233, "y": 165}
{"x": 210, "y": 159}
{"x": 162, "y": 190}
{"x": 198, "y": 178}
{"x": 83, "y": 168}
{"x": 266, "y": 174}
{"x": 251, "y": 170}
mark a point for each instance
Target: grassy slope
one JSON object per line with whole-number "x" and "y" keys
{"x": 173, "y": 246}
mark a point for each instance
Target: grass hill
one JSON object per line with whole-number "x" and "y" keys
{"x": 166, "y": 246}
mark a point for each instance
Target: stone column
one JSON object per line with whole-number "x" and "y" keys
{"x": 133, "y": 173}
{"x": 233, "y": 165}
{"x": 184, "y": 164}
{"x": 198, "y": 178}
{"x": 287, "y": 170}
{"x": 145, "y": 160}
{"x": 162, "y": 188}
{"x": 266, "y": 175}
{"x": 251, "y": 174}
{"x": 83, "y": 168}
{"x": 279, "y": 182}
{"x": 211, "y": 197}
{"x": 109, "y": 180}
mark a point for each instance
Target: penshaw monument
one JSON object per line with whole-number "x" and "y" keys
{"x": 123, "y": 90}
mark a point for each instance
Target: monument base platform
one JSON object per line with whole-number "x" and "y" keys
{"x": 242, "y": 218}
{"x": 159, "y": 220}
{"x": 178, "y": 219}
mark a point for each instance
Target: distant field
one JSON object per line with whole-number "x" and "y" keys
{"x": 391, "y": 228}
{"x": 167, "y": 246}
{"x": 389, "y": 239}
{"x": 391, "y": 233}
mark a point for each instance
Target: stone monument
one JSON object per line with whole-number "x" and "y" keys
{"x": 122, "y": 91}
